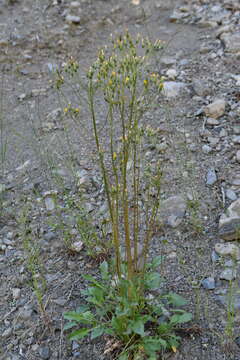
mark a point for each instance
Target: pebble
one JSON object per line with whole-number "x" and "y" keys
{"x": 211, "y": 178}
{"x": 173, "y": 89}
{"x": 206, "y": 149}
{"x": 172, "y": 211}
{"x": 215, "y": 257}
{"x": 201, "y": 87}
{"x": 215, "y": 109}
{"x": 238, "y": 156}
{"x": 228, "y": 274}
{"x": 171, "y": 74}
{"x": 229, "y": 222}
{"x": 73, "y": 19}
{"x": 231, "y": 195}
{"x": 44, "y": 352}
{"x": 6, "y": 333}
{"x": 212, "y": 122}
{"x": 228, "y": 249}
{"x": 49, "y": 203}
{"x": 77, "y": 246}
{"x": 16, "y": 292}
{"x": 236, "y": 139}
{"x": 208, "y": 283}
{"x": 231, "y": 42}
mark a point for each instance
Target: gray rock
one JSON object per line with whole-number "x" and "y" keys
{"x": 178, "y": 15}
{"x": 228, "y": 249}
{"x": 228, "y": 274}
{"x": 73, "y": 19}
{"x": 215, "y": 257}
{"x": 173, "y": 88}
{"x": 44, "y": 352}
{"x": 238, "y": 156}
{"x": 49, "y": 203}
{"x": 211, "y": 178}
{"x": 201, "y": 87}
{"x": 206, "y": 149}
{"x": 236, "y": 139}
{"x": 212, "y": 122}
{"x": 231, "y": 42}
{"x": 6, "y": 333}
{"x": 167, "y": 61}
{"x": 16, "y": 292}
{"x": 215, "y": 109}
{"x": 231, "y": 195}
{"x": 208, "y": 283}
{"x": 229, "y": 222}
{"x": 25, "y": 313}
{"x": 172, "y": 211}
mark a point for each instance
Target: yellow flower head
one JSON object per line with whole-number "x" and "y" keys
{"x": 65, "y": 110}
{"x": 127, "y": 80}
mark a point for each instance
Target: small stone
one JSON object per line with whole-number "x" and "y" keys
{"x": 206, "y": 149}
{"x": 228, "y": 249}
{"x": 229, "y": 263}
{"x": 77, "y": 246}
{"x": 229, "y": 222}
{"x": 74, "y": 4}
{"x": 49, "y": 203}
{"x": 238, "y": 156}
{"x": 228, "y": 274}
{"x": 237, "y": 341}
{"x": 25, "y": 313}
{"x": 216, "y": 109}
{"x": 208, "y": 283}
{"x": 44, "y": 352}
{"x": 60, "y": 301}
{"x": 236, "y": 139}
{"x": 172, "y": 211}
{"x": 49, "y": 236}
{"x": 212, "y": 122}
{"x": 213, "y": 140}
{"x": 215, "y": 257}
{"x": 200, "y": 87}
{"x": 173, "y": 88}
{"x": 236, "y": 128}
{"x": 38, "y": 92}
{"x": 21, "y": 97}
{"x": 171, "y": 74}
{"x": 6, "y": 333}
{"x": 231, "y": 42}
{"x": 211, "y": 177}
{"x": 73, "y": 19}
{"x": 231, "y": 195}
{"x": 16, "y": 292}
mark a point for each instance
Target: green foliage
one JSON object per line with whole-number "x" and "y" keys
{"x": 142, "y": 325}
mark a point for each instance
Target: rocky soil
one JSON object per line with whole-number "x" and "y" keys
{"x": 47, "y": 162}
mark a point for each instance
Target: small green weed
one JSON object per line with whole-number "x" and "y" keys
{"x": 143, "y": 325}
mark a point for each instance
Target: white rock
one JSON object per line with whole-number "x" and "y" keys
{"x": 229, "y": 222}
{"x": 73, "y": 19}
{"x": 228, "y": 249}
{"x": 171, "y": 74}
{"x": 216, "y": 109}
{"x": 173, "y": 88}
{"x": 16, "y": 293}
{"x": 77, "y": 246}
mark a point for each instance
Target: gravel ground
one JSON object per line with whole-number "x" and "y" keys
{"x": 48, "y": 157}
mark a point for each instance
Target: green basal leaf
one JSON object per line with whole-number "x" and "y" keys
{"x": 156, "y": 262}
{"x": 97, "y": 331}
{"x": 137, "y": 327}
{"x": 82, "y": 308}
{"x": 104, "y": 271}
{"x": 123, "y": 356}
{"x": 93, "y": 280}
{"x": 69, "y": 325}
{"x": 84, "y": 318}
{"x": 153, "y": 344}
{"x": 78, "y": 334}
{"x": 180, "y": 319}
{"x": 176, "y": 300}
{"x": 153, "y": 281}
{"x": 164, "y": 328}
